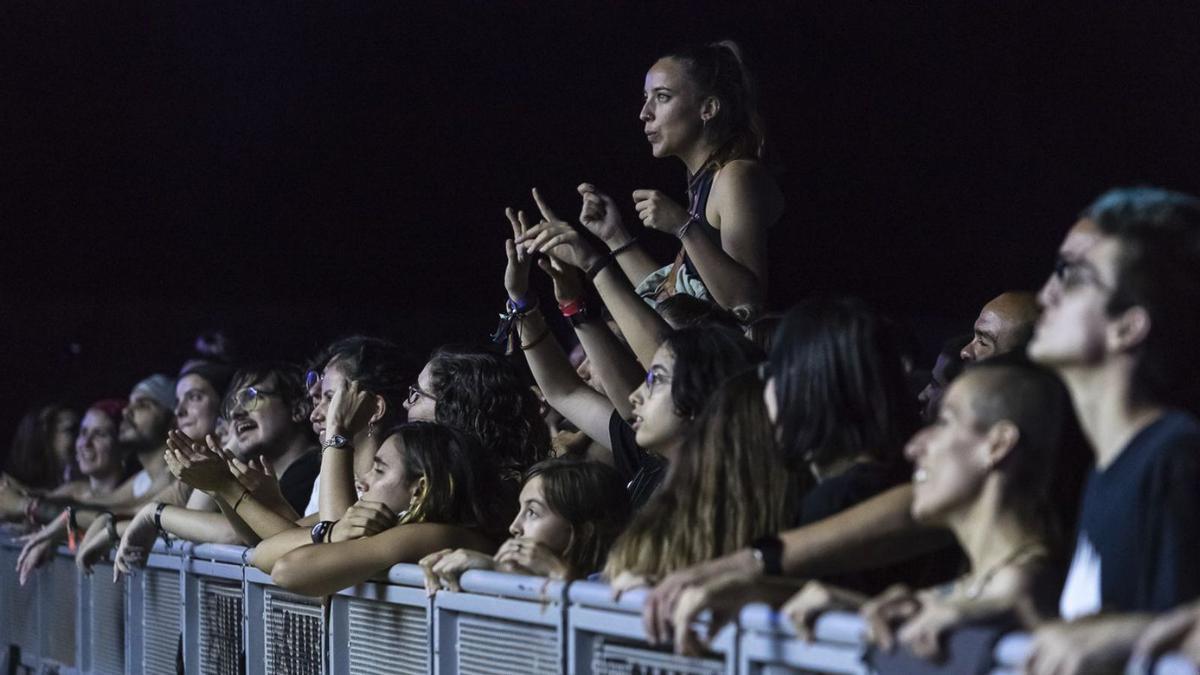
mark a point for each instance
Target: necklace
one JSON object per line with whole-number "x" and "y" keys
{"x": 972, "y": 585}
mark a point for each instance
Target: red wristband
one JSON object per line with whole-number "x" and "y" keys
{"x": 570, "y": 308}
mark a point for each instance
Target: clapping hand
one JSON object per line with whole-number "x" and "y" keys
{"x": 201, "y": 465}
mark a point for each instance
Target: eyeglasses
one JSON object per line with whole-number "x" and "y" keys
{"x": 415, "y": 393}
{"x": 1072, "y": 275}
{"x": 654, "y": 377}
{"x": 249, "y": 399}
{"x": 312, "y": 378}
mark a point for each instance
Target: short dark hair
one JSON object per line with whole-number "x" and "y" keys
{"x": 482, "y": 392}
{"x": 706, "y": 356}
{"x": 839, "y": 383}
{"x": 378, "y": 366}
{"x": 590, "y": 496}
{"x": 1158, "y": 269}
{"x": 289, "y": 381}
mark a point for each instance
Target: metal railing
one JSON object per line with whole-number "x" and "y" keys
{"x": 204, "y": 608}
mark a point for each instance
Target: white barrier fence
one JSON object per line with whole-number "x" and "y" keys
{"x": 203, "y": 610}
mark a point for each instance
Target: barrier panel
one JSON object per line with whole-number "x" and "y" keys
{"x": 381, "y": 628}
{"x": 768, "y": 644}
{"x": 223, "y": 617}
{"x": 154, "y": 610}
{"x": 500, "y": 623}
{"x": 606, "y": 636}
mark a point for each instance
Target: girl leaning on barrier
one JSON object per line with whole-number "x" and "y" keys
{"x": 571, "y": 510}
{"x": 430, "y": 488}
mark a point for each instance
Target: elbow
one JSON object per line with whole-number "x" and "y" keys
{"x": 263, "y": 560}
{"x": 289, "y": 573}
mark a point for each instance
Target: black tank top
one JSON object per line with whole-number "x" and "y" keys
{"x": 699, "y": 187}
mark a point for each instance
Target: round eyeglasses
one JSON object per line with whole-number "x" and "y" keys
{"x": 249, "y": 399}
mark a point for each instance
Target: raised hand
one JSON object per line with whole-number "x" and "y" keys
{"x": 660, "y": 212}
{"x": 554, "y": 237}
{"x": 350, "y": 410}
{"x": 199, "y": 465}
{"x": 363, "y": 519}
{"x": 516, "y": 273}
{"x": 257, "y": 477}
{"x": 568, "y": 281}
{"x": 600, "y": 216}
{"x": 527, "y": 556}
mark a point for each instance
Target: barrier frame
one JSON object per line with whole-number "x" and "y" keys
{"x": 404, "y": 587}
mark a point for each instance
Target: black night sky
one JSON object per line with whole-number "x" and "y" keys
{"x": 292, "y": 172}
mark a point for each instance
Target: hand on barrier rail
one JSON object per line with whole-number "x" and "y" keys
{"x": 661, "y": 602}
{"x": 363, "y": 519}
{"x": 724, "y": 596}
{"x": 523, "y": 555}
{"x": 96, "y": 544}
{"x": 884, "y": 613}
{"x": 136, "y": 542}
{"x": 1178, "y": 630}
{"x": 443, "y": 568}
{"x": 1100, "y": 644}
{"x": 34, "y": 555}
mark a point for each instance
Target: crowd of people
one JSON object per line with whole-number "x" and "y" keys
{"x": 1044, "y": 472}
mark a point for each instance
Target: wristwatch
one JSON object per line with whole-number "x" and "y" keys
{"x": 335, "y": 441}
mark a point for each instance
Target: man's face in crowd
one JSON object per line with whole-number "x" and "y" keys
{"x": 144, "y": 422}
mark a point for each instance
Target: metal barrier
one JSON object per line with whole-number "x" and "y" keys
{"x": 204, "y": 605}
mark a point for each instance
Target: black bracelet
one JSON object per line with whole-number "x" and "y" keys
{"x": 623, "y": 247}
{"x": 329, "y": 532}
{"x": 599, "y": 267}
{"x": 769, "y": 551}
{"x": 158, "y": 518}
{"x": 112, "y": 528}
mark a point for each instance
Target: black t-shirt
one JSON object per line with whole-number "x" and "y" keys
{"x": 296, "y": 483}
{"x": 641, "y": 470}
{"x": 857, "y": 484}
{"x": 1139, "y": 525}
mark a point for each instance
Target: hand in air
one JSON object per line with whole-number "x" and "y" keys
{"x": 444, "y": 568}
{"x": 201, "y": 465}
{"x": 526, "y": 556}
{"x": 568, "y": 281}
{"x": 556, "y": 238}
{"x": 601, "y": 217}
{"x": 516, "y": 273}
{"x": 660, "y": 212}
{"x": 363, "y": 519}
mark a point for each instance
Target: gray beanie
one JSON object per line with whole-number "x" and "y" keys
{"x": 158, "y": 387}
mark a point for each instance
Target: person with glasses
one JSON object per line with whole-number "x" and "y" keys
{"x": 1120, "y": 324}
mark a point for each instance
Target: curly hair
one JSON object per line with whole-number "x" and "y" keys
{"x": 482, "y": 392}
{"x": 591, "y": 497}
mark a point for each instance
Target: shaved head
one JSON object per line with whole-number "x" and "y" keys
{"x": 1005, "y": 324}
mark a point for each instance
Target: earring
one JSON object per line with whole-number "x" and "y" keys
{"x": 370, "y": 429}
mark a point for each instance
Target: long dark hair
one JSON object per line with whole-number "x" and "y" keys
{"x": 480, "y": 391}
{"x": 591, "y": 497}
{"x": 378, "y": 366}
{"x": 840, "y": 384}
{"x": 31, "y": 459}
{"x": 705, "y": 355}
{"x": 719, "y": 69}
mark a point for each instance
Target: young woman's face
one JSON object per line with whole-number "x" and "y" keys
{"x": 387, "y": 481}
{"x": 536, "y": 521}
{"x": 421, "y": 404}
{"x": 96, "y": 444}
{"x": 950, "y": 456}
{"x": 671, "y": 109}
{"x": 62, "y": 434}
{"x": 655, "y": 419}
{"x": 197, "y": 406}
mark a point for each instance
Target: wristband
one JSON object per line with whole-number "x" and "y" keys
{"x": 520, "y": 308}
{"x": 768, "y": 550}
{"x": 683, "y": 230}
{"x": 599, "y": 267}
{"x": 329, "y": 531}
{"x": 623, "y": 247}
{"x": 238, "y": 503}
{"x": 158, "y": 518}
{"x": 570, "y": 308}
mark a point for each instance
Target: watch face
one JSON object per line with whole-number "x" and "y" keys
{"x": 336, "y": 442}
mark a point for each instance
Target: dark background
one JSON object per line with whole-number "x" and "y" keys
{"x": 289, "y": 173}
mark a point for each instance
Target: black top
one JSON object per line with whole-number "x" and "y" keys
{"x": 642, "y": 470}
{"x": 854, "y": 485}
{"x": 699, "y": 188}
{"x": 1140, "y": 516}
{"x": 296, "y": 483}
